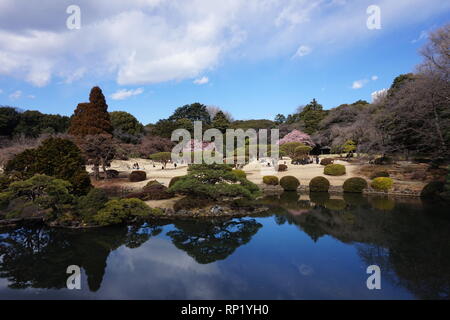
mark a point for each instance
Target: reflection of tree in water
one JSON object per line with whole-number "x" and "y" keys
{"x": 211, "y": 240}
{"x": 409, "y": 241}
{"x": 38, "y": 257}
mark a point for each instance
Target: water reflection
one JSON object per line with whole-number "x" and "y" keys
{"x": 408, "y": 239}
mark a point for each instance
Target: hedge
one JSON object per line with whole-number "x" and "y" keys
{"x": 326, "y": 161}
{"x": 334, "y": 170}
{"x": 289, "y": 183}
{"x": 271, "y": 180}
{"x": 319, "y": 184}
{"x": 137, "y": 176}
{"x": 382, "y": 184}
{"x": 354, "y": 185}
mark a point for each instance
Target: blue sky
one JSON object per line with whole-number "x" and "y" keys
{"x": 152, "y": 56}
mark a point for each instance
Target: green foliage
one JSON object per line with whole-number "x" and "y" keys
{"x": 271, "y": 180}
{"x": 192, "y": 112}
{"x": 240, "y": 174}
{"x": 137, "y": 176}
{"x": 378, "y": 174}
{"x": 252, "y": 124}
{"x": 280, "y": 119}
{"x": 214, "y": 181}
{"x": 47, "y": 193}
{"x": 382, "y": 184}
{"x": 290, "y": 147}
{"x": 90, "y": 204}
{"x": 433, "y": 190}
{"x": 334, "y": 170}
{"x": 9, "y": 118}
{"x": 5, "y": 181}
{"x": 152, "y": 191}
{"x": 302, "y": 152}
{"x": 326, "y": 161}
{"x": 162, "y": 157}
{"x": 56, "y": 157}
{"x": 310, "y": 117}
{"x": 126, "y": 127}
{"x": 122, "y": 211}
{"x": 349, "y": 146}
{"x": 174, "y": 180}
{"x": 289, "y": 183}
{"x": 188, "y": 202}
{"x": 319, "y": 184}
{"x": 354, "y": 185}
{"x": 220, "y": 122}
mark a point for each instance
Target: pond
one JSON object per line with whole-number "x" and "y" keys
{"x": 302, "y": 248}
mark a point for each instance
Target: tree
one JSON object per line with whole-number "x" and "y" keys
{"x": 92, "y": 128}
{"x": 43, "y": 191}
{"x": 126, "y": 127}
{"x": 56, "y": 157}
{"x": 192, "y": 112}
{"x": 297, "y": 136}
{"x": 289, "y": 148}
{"x": 91, "y": 118}
{"x": 9, "y": 118}
{"x": 220, "y": 122}
{"x": 349, "y": 146}
{"x": 310, "y": 116}
{"x": 162, "y": 157}
{"x": 280, "y": 119}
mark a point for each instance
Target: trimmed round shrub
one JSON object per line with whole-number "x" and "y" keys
{"x": 240, "y": 174}
{"x": 282, "y": 167}
{"x": 90, "y": 204}
{"x": 379, "y": 174}
{"x": 111, "y": 174}
{"x": 334, "y": 170}
{"x": 433, "y": 190}
{"x": 137, "y": 176}
{"x": 289, "y": 183}
{"x": 150, "y": 184}
{"x": 382, "y": 184}
{"x": 326, "y": 161}
{"x": 271, "y": 180}
{"x": 319, "y": 184}
{"x": 156, "y": 191}
{"x": 121, "y": 211}
{"x": 354, "y": 185}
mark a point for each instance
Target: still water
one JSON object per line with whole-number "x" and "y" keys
{"x": 303, "y": 248}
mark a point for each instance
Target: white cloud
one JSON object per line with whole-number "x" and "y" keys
{"x": 359, "y": 84}
{"x": 302, "y": 51}
{"x": 124, "y": 93}
{"x": 380, "y": 94}
{"x": 152, "y": 41}
{"x": 202, "y": 80}
{"x": 31, "y": 96}
{"x": 423, "y": 35}
{"x": 15, "y": 95}
{"x": 374, "y": 78}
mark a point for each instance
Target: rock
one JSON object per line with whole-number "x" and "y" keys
{"x": 216, "y": 210}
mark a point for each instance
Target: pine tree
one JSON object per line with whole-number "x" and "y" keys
{"x": 91, "y": 118}
{"x": 220, "y": 122}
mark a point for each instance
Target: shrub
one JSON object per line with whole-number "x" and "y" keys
{"x": 56, "y": 157}
{"x": 111, "y": 174}
{"x": 271, "y": 180}
{"x": 379, "y": 174}
{"x": 240, "y": 174}
{"x": 156, "y": 191}
{"x": 326, "y": 161}
{"x": 433, "y": 190}
{"x": 282, "y": 167}
{"x": 121, "y": 211}
{"x": 214, "y": 181}
{"x": 319, "y": 184}
{"x": 354, "y": 185}
{"x": 137, "y": 176}
{"x": 90, "y": 204}
{"x": 334, "y": 170}
{"x": 174, "y": 180}
{"x": 188, "y": 202}
{"x": 4, "y": 182}
{"x": 289, "y": 183}
{"x": 383, "y": 160}
{"x": 382, "y": 184}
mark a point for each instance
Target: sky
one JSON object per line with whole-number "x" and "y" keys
{"x": 252, "y": 58}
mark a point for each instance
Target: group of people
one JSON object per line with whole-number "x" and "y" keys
{"x": 136, "y": 166}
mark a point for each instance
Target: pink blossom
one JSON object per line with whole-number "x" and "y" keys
{"x": 297, "y": 136}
